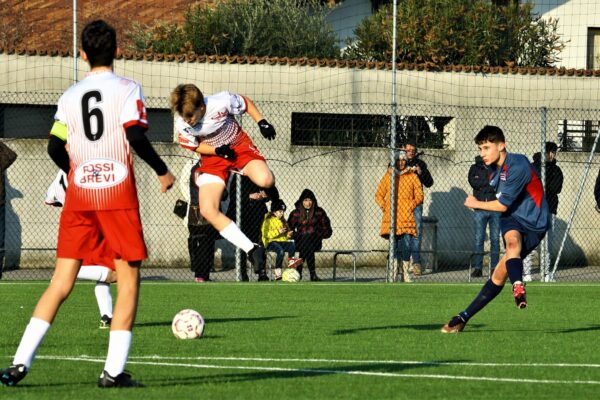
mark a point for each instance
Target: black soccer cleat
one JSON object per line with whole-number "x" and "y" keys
{"x": 13, "y": 374}
{"x": 476, "y": 273}
{"x": 120, "y": 381}
{"x": 105, "y": 321}
{"x": 263, "y": 278}
{"x": 456, "y": 324}
{"x": 257, "y": 258}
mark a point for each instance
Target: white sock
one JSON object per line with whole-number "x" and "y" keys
{"x": 233, "y": 234}
{"x": 118, "y": 351}
{"x": 104, "y": 298}
{"x": 93, "y": 273}
{"x": 31, "y": 340}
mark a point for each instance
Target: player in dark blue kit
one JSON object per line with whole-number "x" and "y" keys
{"x": 524, "y": 221}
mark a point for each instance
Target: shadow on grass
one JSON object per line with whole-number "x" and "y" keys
{"x": 216, "y": 320}
{"x": 415, "y": 327}
{"x": 154, "y": 278}
{"x": 235, "y": 377}
{"x": 581, "y": 329}
{"x": 238, "y": 319}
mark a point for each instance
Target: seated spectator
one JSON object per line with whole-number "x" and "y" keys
{"x": 310, "y": 225}
{"x": 276, "y": 236}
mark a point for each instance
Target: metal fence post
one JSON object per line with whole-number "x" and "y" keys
{"x": 544, "y": 255}
{"x": 392, "y": 243}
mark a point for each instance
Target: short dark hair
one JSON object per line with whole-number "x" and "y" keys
{"x": 551, "y": 147}
{"x": 491, "y": 134}
{"x": 411, "y": 142}
{"x": 99, "y": 41}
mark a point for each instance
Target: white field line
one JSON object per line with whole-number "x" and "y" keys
{"x": 331, "y": 371}
{"x": 323, "y": 284}
{"x": 391, "y": 362}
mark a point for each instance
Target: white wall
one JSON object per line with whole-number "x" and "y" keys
{"x": 574, "y": 19}
{"x": 344, "y": 179}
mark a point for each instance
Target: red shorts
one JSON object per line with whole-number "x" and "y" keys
{"x": 219, "y": 166}
{"x": 82, "y": 234}
{"x": 101, "y": 255}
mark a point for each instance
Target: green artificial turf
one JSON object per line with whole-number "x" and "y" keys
{"x": 319, "y": 341}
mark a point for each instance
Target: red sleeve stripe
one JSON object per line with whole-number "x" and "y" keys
{"x": 135, "y": 122}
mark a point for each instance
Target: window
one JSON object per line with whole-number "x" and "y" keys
{"x": 593, "y": 48}
{"x": 577, "y": 135}
{"x": 27, "y": 121}
{"x": 365, "y": 130}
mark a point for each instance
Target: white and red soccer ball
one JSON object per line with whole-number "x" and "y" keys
{"x": 187, "y": 324}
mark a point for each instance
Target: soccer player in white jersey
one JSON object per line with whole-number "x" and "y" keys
{"x": 96, "y": 266}
{"x": 101, "y": 118}
{"x": 207, "y": 126}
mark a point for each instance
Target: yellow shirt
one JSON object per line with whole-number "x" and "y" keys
{"x": 270, "y": 229}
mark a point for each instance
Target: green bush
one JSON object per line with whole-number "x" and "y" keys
{"x": 449, "y": 32}
{"x": 276, "y": 28}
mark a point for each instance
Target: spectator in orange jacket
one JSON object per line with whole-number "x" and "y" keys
{"x": 409, "y": 194}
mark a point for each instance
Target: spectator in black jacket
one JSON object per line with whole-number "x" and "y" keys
{"x": 253, "y": 209}
{"x": 479, "y": 181}
{"x": 554, "y": 175}
{"x": 420, "y": 168}
{"x": 202, "y": 236}
{"x": 310, "y": 225}
{"x": 7, "y": 157}
{"x": 553, "y": 186}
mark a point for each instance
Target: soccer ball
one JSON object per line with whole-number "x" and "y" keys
{"x": 187, "y": 324}
{"x": 290, "y": 275}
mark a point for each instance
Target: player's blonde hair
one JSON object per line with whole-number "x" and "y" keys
{"x": 186, "y": 99}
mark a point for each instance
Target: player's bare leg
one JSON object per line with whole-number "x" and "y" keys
{"x": 493, "y": 287}
{"x": 209, "y": 195}
{"x": 514, "y": 266}
{"x": 499, "y": 276}
{"x": 63, "y": 280}
{"x": 128, "y": 286}
{"x": 45, "y": 311}
{"x": 259, "y": 173}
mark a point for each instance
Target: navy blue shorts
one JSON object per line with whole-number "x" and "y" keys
{"x": 529, "y": 239}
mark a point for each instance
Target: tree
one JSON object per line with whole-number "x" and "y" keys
{"x": 449, "y": 32}
{"x": 277, "y": 28}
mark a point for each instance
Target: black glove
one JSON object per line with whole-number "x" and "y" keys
{"x": 225, "y": 151}
{"x": 266, "y": 129}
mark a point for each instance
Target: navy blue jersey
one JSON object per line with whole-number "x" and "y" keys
{"x": 520, "y": 189}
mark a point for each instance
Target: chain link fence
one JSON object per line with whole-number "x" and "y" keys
{"x": 340, "y": 152}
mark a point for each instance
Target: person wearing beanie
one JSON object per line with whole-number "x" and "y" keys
{"x": 310, "y": 225}
{"x": 408, "y": 195}
{"x": 276, "y": 236}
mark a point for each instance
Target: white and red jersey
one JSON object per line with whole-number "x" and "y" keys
{"x": 218, "y": 126}
{"x": 96, "y": 112}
